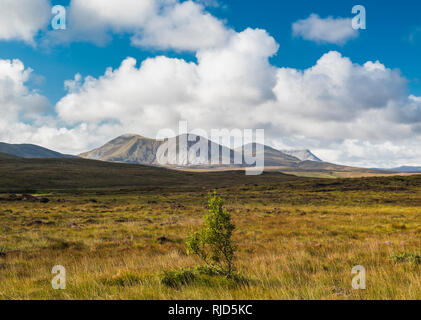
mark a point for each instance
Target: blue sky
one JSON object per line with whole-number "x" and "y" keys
{"x": 387, "y": 39}
{"x": 385, "y": 97}
{"x": 389, "y": 26}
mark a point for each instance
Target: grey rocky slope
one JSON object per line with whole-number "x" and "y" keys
{"x": 132, "y": 148}
{"x": 303, "y": 155}
{"x": 141, "y": 150}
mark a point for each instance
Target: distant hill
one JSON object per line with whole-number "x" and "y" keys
{"x": 303, "y": 155}
{"x": 30, "y": 151}
{"x": 273, "y": 157}
{"x": 127, "y": 148}
{"x": 406, "y": 169}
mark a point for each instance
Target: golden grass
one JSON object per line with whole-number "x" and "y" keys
{"x": 293, "y": 244}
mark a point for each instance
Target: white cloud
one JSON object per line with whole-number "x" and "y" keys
{"x": 327, "y": 30}
{"x": 335, "y": 89}
{"x": 163, "y": 90}
{"x": 22, "y": 109}
{"x": 23, "y": 19}
{"x": 130, "y": 93}
{"x": 16, "y": 100}
{"x": 183, "y": 26}
{"x": 157, "y": 24}
{"x": 334, "y": 105}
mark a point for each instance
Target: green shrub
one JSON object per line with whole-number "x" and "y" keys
{"x": 208, "y": 271}
{"x": 406, "y": 257}
{"x": 177, "y": 278}
{"x": 213, "y": 243}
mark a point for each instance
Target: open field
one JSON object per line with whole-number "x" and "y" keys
{"x": 298, "y": 238}
{"x": 332, "y": 173}
{"x": 340, "y": 175}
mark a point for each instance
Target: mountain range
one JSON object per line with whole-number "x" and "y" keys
{"x": 135, "y": 149}
{"x": 141, "y": 150}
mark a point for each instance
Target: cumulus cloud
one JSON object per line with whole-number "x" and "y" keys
{"x": 335, "y": 89}
{"x": 22, "y": 109}
{"x": 157, "y": 24}
{"x": 163, "y": 90}
{"x": 24, "y": 120}
{"x": 183, "y": 26}
{"x": 95, "y": 20}
{"x": 334, "y": 105}
{"x": 23, "y": 19}
{"x": 325, "y": 30}
{"x": 16, "y": 100}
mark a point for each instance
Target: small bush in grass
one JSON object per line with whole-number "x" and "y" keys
{"x": 124, "y": 279}
{"x": 177, "y": 278}
{"x": 213, "y": 243}
{"x": 406, "y": 257}
{"x": 207, "y": 271}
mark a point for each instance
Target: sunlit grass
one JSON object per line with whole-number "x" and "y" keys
{"x": 295, "y": 242}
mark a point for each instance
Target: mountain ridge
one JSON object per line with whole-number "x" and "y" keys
{"x": 303, "y": 155}
{"x": 30, "y": 151}
{"x": 136, "y": 149}
{"x": 132, "y": 148}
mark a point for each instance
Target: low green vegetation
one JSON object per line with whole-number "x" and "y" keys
{"x": 177, "y": 278}
{"x": 213, "y": 243}
{"x": 407, "y": 257}
{"x": 294, "y": 238}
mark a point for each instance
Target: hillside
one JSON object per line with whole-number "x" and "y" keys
{"x": 7, "y": 156}
{"x": 74, "y": 175}
{"x": 126, "y": 148}
{"x": 30, "y": 151}
{"x": 30, "y": 175}
{"x": 272, "y": 156}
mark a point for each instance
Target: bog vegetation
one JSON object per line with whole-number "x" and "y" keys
{"x": 294, "y": 238}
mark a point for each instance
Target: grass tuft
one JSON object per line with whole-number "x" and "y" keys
{"x": 125, "y": 279}
{"x": 177, "y": 278}
{"x": 406, "y": 257}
